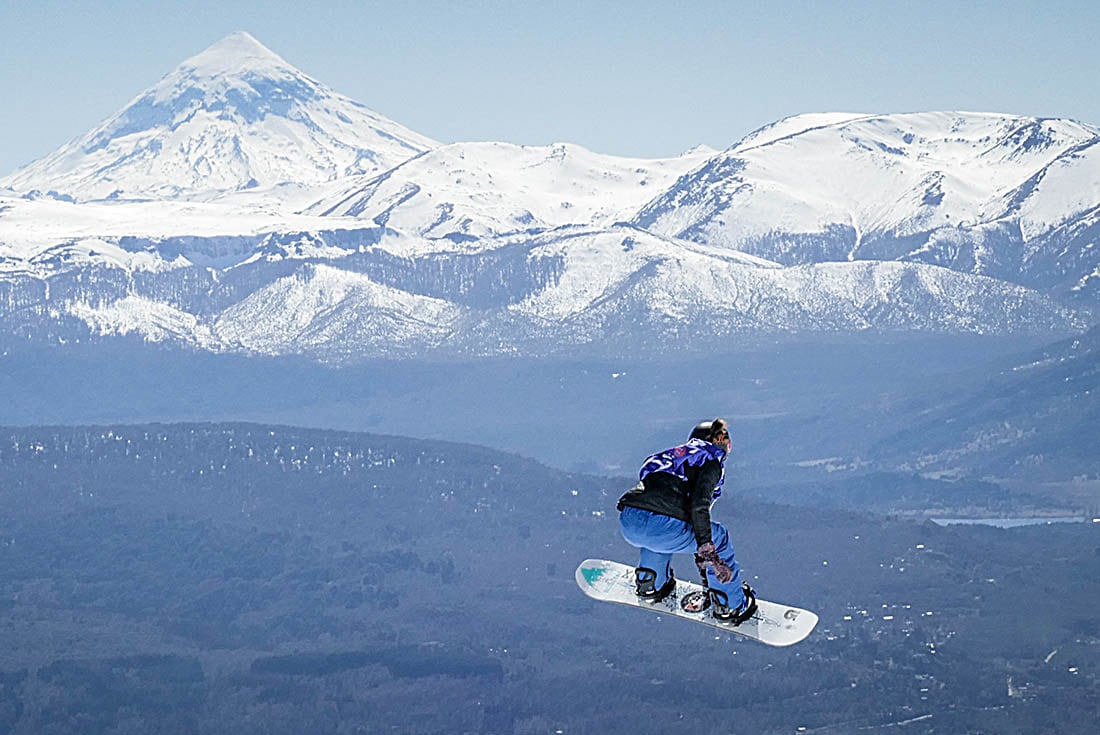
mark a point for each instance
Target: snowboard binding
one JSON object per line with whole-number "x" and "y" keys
{"x": 645, "y": 581}
{"x": 721, "y": 609}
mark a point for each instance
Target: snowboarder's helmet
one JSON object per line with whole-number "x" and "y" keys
{"x": 708, "y": 431}
{"x": 701, "y": 430}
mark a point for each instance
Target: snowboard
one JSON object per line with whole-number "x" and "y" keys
{"x": 773, "y": 624}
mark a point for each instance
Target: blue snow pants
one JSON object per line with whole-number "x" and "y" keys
{"x": 658, "y": 537}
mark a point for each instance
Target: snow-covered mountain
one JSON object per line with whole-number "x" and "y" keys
{"x": 596, "y": 291}
{"x": 474, "y": 191}
{"x": 236, "y": 116}
{"x": 239, "y": 205}
{"x": 995, "y": 195}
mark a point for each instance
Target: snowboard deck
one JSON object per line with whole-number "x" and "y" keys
{"x": 773, "y": 623}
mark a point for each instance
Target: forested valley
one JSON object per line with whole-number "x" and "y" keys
{"x": 218, "y": 578}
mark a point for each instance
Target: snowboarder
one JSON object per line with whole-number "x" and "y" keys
{"x": 668, "y": 512}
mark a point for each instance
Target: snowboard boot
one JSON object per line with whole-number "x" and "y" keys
{"x": 645, "y": 581}
{"x": 720, "y": 608}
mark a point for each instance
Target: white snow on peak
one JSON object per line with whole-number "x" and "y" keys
{"x": 879, "y": 177}
{"x": 234, "y": 117}
{"x": 793, "y": 125}
{"x": 236, "y": 54}
{"x": 702, "y": 149}
{"x": 1062, "y": 190}
{"x": 477, "y": 190}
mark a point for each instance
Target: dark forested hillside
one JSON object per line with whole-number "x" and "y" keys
{"x": 1034, "y": 417}
{"x": 245, "y": 578}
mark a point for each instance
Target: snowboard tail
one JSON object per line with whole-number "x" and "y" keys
{"x": 773, "y": 624}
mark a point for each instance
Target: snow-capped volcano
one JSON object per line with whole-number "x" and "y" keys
{"x": 236, "y": 116}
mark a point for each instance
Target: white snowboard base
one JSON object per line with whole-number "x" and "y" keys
{"x": 773, "y": 624}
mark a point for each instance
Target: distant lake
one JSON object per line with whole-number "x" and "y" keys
{"x": 1008, "y": 522}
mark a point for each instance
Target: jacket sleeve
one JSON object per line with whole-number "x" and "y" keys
{"x": 630, "y": 496}
{"x": 702, "y": 493}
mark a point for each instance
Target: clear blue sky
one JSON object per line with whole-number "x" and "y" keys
{"x": 634, "y": 78}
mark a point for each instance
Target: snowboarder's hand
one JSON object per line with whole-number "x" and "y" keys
{"x": 706, "y": 556}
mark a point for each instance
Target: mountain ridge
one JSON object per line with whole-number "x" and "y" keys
{"x": 239, "y": 204}
{"x": 584, "y": 290}
{"x": 940, "y": 187}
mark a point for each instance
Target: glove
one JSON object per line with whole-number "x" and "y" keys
{"x": 706, "y": 556}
